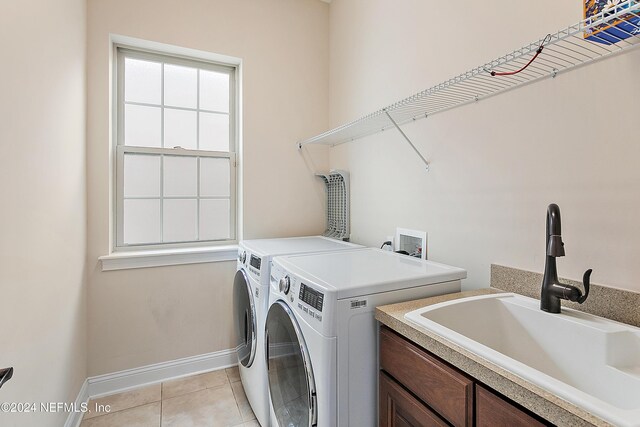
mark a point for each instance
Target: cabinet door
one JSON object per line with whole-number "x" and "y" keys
{"x": 398, "y": 408}
{"x": 493, "y": 411}
{"x": 442, "y": 387}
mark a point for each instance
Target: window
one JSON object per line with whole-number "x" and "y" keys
{"x": 176, "y": 151}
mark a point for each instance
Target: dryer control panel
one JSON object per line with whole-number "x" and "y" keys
{"x": 311, "y": 297}
{"x": 307, "y": 300}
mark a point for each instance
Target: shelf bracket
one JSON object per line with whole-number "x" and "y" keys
{"x": 404, "y": 135}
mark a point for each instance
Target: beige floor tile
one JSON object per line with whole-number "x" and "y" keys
{"x": 253, "y": 423}
{"x": 243, "y": 403}
{"x": 212, "y": 407}
{"x": 233, "y": 374}
{"x": 140, "y": 416}
{"x": 126, "y": 400}
{"x": 193, "y": 383}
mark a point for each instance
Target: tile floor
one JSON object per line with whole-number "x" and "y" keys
{"x": 211, "y": 399}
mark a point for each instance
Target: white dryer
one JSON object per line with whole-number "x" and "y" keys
{"x": 251, "y": 301}
{"x": 321, "y": 335}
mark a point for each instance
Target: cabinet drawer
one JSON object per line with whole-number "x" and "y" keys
{"x": 494, "y": 411}
{"x": 447, "y": 391}
{"x": 398, "y": 408}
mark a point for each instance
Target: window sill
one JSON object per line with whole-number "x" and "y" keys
{"x": 164, "y": 257}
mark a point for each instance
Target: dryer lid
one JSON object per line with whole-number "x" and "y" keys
{"x": 349, "y": 274}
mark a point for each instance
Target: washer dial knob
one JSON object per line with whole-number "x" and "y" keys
{"x": 285, "y": 284}
{"x": 243, "y": 257}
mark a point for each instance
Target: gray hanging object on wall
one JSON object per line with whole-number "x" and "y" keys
{"x": 337, "y": 183}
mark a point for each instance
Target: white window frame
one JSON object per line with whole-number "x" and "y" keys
{"x": 122, "y": 51}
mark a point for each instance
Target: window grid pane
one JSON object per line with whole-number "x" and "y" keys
{"x": 141, "y": 176}
{"x": 180, "y": 86}
{"x": 142, "y": 127}
{"x": 212, "y": 93}
{"x": 183, "y": 213}
{"x": 180, "y": 220}
{"x": 208, "y": 213}
{"x": 141, "y": 221}
{"x": 142, "y": 81}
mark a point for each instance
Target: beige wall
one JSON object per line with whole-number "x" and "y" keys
{"x": 138, "y": 317}
{"x": 43, "y": 214}
{"x": 497, "y": 164}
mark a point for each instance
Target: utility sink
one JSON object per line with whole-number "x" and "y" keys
{"x": 584, "y": 359}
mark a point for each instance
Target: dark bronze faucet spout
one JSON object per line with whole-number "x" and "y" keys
{"x": 552, "y": 289}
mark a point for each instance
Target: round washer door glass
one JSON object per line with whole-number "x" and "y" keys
{"x": 290, "y": 377}
{"x": 244, "y": 314}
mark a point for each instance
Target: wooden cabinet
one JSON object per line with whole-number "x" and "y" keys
{"x": 398, "y": 408}
{"x": 446, "y": 390}
{"x": 418, "y": 389}
{"x": 494, "y": 411}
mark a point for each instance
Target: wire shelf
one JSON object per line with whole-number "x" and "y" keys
{"x": 563, "y": 51}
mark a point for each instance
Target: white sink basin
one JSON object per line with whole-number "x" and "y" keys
{"x": 587, "y": 360}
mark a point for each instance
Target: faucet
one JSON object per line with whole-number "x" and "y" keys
{"x": 552, "y": 290}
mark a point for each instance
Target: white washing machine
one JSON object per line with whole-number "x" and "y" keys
{"x": 251, "y": 302}
{"x": 321, "y": 335}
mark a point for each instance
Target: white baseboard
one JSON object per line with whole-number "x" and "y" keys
{"x": 75, "y": 418}
{"x": 117, "y": 382}
{"x": 102, "y": 385}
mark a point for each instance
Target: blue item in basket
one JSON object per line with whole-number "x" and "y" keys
{"x": 620, "y": 28}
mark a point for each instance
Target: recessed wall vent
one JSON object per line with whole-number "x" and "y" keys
{"x": 337, "y": 183}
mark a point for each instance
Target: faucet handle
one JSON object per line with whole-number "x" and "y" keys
{"x": 585, "y": 281}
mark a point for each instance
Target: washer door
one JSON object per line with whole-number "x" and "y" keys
{"x": 244, "y": 313}
{"x": 291, "y": 384}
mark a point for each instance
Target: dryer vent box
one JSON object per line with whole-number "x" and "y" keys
{"x": 414, "y": 242}
{"x": 338, "y": 198}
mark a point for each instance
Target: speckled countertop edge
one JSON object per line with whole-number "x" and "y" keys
{"x": 521, "y": 391}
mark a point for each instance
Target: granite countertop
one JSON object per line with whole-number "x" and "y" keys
{"x": 521, "y": 391}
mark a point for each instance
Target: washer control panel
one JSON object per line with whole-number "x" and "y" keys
{"x": 252, "y": 263}
{"x": 255, "y": 263}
